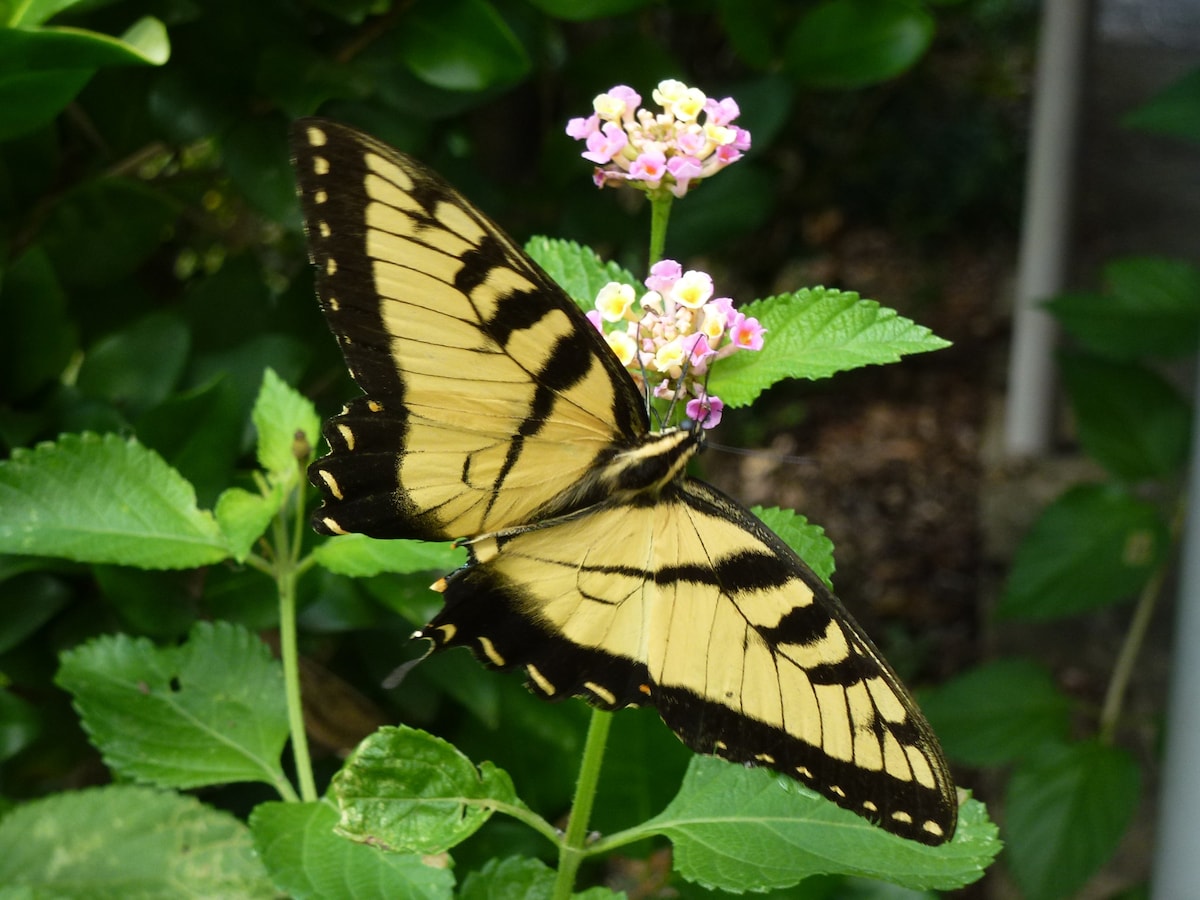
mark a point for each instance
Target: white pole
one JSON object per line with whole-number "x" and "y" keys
{"x": 1177, "y": 858}
{"x": 1045, "y": 227}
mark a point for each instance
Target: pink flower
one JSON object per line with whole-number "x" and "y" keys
{"x": 683, "y": 169}
{"x": 721, "y": 112}
{"x": 627, "y": 95}
{"x": 705, "y": 409}
{"x": 657, "y": 152}
{"x": 606, "y": 143}
{"x": 746, "y": 333}
{"x": 593, "y": 316}
{"x": 663, "y": 275}
{"x": 649, "y": 167}
{"x": 580, "y": 128}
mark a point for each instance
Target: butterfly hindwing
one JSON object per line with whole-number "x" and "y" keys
{"x": 693, "y": 606}
{"x": 489, "y": 396}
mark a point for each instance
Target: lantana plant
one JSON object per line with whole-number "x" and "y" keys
{"x": 218, "y": 708}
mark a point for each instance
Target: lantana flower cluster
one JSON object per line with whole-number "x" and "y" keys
{"x": 691, "y": 139}
{"x": 670, "y": 336}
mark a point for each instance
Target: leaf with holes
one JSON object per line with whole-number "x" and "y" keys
{"x": 208, "y": 712}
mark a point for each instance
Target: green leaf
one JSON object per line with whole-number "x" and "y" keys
{"x": 854, "y": 43}
{"x": 748, "y": 26}
{"x": 31, "y": 13}
{"x": 39, "y": 336}
{"x": 42, "y": 69}
{"x": 305, "y": 859}
{"x": 808, "y": 540}
{"x": 288, "y": 428}
{"x": 462, "y": 45}
{"x": 405, "y": 790}
{"x": 814, "y": 333}
{"x": 997, "y": 713}
{"x": 158, "y": 605}
{"x": 104, "y": 230}
{"x": 735, "y": 828}
{"x": 1129, "y": 418}
{"x": 199, "y": 431}
{"x": 577, "y": 269}
{"x": 137, "y": 367}
{"x": 587, "y": 10}
{"x": 103, "y": 499}
{"x": 124, "y": 841}
{"x": 521, "y": 878}
{"x": 253, "y": 149}
{"x": 28, "y": 600}
{"x": 244, "y": 517}
{"x": 1151, "y": 307}
{"x": 1093, "y": 546}
{"x": 209, "y": 712}
{"x": 20, "y": 724}
{"x": 1174, "y": 111}
{"x": 1066, "y": 810}
{"x": 360, "y": 556}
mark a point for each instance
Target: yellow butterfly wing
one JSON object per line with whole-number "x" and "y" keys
{"x": 693, "y": 606}
{"x": 496, "y": 412}
{"x": 489, "y": 395}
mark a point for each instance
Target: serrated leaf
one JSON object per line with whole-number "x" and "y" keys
{"x": 1093, "y": 546}
{"x": 244, "y": 516}
{"x": 814, "y": 333}
{"x": 577, "y": 269}
{"x": 997, "y": 713}
{"x": 288, "y": 428}
{"x": 808, "y": 540}
{"x": 1151, "y": 307}
{"x": 521, "y": 878}
{"x": 1066, "y": 811}
{"x": 104, "y": 499}
{"x": 122, "y": 841}
{"x": 1129, "y": 418}
{"x": 305, "y": 859}
{"x": 405, "y": 790}
{"x": 209, "y": 712}
{"x": 360, "y": 556}
{"x": 739, "y": 829}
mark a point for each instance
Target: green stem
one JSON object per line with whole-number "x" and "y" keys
{"x": 571, "y": 851}
{"x": 660, "y": 214}
{"x": 286, "y": 570}
{"x": 289, "y": 653}
{"x": 1114, "y": 697}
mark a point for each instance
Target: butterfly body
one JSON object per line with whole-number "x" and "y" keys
{"x": 495, "y": 414}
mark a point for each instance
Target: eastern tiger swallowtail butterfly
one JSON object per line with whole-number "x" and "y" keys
{"x": 495, "y": 414}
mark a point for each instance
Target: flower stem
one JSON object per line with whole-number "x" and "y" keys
{"x": 571, "y": 851}
{"x": 1114, "y": 697}
{"x": 285, "y": 570}
{"x": 660, "y": 214}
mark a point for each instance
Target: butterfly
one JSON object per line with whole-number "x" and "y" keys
{"x": 496, "y": 415}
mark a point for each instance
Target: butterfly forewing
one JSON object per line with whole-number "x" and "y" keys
{"x": 496, "y": 412}
{"x": 488, "y": 394}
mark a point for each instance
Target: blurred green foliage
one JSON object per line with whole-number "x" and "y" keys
{"x": 152, "y": 266}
